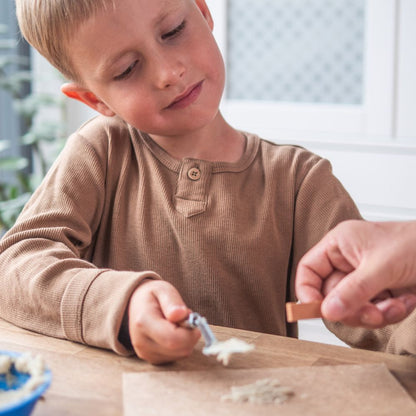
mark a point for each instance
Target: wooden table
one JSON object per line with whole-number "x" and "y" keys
{"x": 88, "y": 381}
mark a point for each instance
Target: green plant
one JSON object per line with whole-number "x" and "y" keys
{"x": 41, "y": 136}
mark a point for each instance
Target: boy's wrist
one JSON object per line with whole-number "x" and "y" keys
{"x": 124, "y": 334}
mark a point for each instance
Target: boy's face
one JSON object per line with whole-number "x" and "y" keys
{"x": 154, "y": 63}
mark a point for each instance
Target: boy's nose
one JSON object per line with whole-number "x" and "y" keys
{"x": 167, "y": 71}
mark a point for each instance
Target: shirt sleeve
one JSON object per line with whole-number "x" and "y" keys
{"x": 47, "y": 284}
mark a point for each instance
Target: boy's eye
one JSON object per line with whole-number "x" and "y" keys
{"x": 126, "y": 73}
{"x": 174, "y": 32}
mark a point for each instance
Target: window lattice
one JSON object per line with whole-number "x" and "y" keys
{"x": 296, "y": 50}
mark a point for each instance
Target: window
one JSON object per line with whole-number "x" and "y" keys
{"x": 9, "y": 121}
{"x": 315, "y": 68}
{"x": 283, "y": 51}
{"x": 337, "y": 77}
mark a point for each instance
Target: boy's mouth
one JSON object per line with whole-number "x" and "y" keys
{"x": 186, "y": 98}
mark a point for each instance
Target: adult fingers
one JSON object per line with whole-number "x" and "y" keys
{"x": 332, "y": 281}
{"x": 368, "y": 316}
{"x": 319, "y": 264}
{"x": 397, "y": 309}
{"x": 352, "y": 293}
{"x": 313, "y": 268}
{"x": 381, "y": 313}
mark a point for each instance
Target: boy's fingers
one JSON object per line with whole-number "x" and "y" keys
{"x": 154, "y": 337}
{"x": 157, "y": 340}
{"x": 171, "y": 303}
{"x": 177, "y": 313}
{"x": 170, "y": 340}
{"x": 153, "y": 352}
{"x": 173, "y": 310}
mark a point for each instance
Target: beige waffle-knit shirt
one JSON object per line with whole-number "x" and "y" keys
{"x": 116, "y": 208}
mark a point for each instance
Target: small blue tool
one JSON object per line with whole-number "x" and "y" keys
{"x": 195, "y": 320}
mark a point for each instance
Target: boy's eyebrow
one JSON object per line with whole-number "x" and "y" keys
{"x": 105, "y": 65}
{"x": 167, "y": 10}
{"x": 168, "y": 7}
{"x": 162, "y": 17}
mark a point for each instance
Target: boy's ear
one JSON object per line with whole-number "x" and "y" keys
{"x": 73, "y": 90}
{"x": 202, "y": 6}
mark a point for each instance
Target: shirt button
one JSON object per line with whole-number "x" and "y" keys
{"x": 194, "y": 174}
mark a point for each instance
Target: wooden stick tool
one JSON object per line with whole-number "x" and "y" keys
{"x": 297, "y": 311}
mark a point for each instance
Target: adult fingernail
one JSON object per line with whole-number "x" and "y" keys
{"x": 393, "y": 313}
{"x": 371, "y": 317}
{"x": 410, "y": 303}
{"x": 367, "y": 319}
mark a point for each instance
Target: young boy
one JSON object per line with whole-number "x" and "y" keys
{"x": 157, "y": 206}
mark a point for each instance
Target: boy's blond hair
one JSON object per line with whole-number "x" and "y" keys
{"x": 48, "y": 25}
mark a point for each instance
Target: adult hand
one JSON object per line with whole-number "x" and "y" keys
{"x": 155, "y": 311}
{"x": 364, "y": 272}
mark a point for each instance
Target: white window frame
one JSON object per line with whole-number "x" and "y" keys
{"x": 406, "y": 72}
{"x": 373, "y": 119}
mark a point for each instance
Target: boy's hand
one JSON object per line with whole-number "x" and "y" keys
{"x": 155, "y": 310}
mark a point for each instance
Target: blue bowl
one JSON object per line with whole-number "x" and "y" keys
{"x": 25, "y": 405}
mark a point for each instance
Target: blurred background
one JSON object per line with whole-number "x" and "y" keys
{"x": 335, "y": 76}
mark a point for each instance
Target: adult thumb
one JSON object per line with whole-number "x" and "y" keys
{"x": 351, "y": 294}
